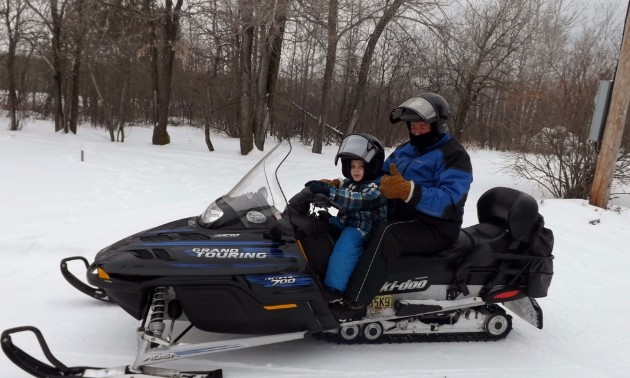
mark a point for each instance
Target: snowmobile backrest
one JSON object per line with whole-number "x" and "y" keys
{"x": 509, "y": 208}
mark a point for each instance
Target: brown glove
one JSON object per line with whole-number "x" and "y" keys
{"x": 334, "y": 182}
{"x": 395, "y": 186}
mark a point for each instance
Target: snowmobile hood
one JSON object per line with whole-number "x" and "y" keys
{"x": 183, "y": 248}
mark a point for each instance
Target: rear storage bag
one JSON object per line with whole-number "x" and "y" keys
{"x": 541, "y": 270}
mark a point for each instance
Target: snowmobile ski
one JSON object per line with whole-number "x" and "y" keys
{"x": 152, "y": 350}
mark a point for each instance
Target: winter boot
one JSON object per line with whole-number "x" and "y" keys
{"x": 347, "y": 311}
{"x": 332, "y": 295}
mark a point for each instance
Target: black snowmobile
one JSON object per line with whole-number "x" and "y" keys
{"x": 254, "y": 264}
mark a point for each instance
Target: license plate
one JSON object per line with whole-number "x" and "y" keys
{"x": 380, "y": 303}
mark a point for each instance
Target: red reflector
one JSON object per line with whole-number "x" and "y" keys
{"x": 507, "y": 294}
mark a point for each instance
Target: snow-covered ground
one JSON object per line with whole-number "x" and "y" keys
{"x": 53, "y": 206}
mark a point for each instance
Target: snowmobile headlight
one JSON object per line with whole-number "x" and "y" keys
{"x": 212, "y": 213}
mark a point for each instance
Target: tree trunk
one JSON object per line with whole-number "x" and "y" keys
{"x": 206, "y": 131}
{"x": 153, "y": 56}
{"x": 365, "y": 63}
{"x": 459, "y": 120}
{"x": 276, "y": 36}
{"x": 171, "y": 27}
{"x": 120, "y": 133}
{"x": 262, "y": 112}
{"x": 56, "y": 51}
{"x": 75, "y": 70}
{"x": 108, "y": 119}
{"x": 331, "y": 55}
{"x": 11, "y": 73}
{"x": 208, "y": 112}
{"x": 246, "y": 137}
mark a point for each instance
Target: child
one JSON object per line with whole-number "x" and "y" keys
{"x": 365, "y": 207}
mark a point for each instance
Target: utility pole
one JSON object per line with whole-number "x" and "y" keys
{"x": 614, "y": 125}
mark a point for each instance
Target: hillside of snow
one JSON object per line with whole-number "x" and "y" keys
{"x": 53, "y": 206}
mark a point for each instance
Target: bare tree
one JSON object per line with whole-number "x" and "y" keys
{"x": 79, "y": 30}
{"x": 558, "y": 155}
{"x": 246, "y": 8}
{"x": 357, "y": 104}
{"x": 479, "y": 47}
{"x": 331, "y": 55}
{"x": 161, "y": 60}
{"x": 12, "y": 12}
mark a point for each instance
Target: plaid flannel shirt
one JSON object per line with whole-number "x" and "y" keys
{"x": 365, "y": 204}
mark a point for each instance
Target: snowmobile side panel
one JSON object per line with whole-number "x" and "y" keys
{"x": 229, "y": 308}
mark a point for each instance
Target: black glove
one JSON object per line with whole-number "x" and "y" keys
{"x": 308, "y": 183}
{"x": 319, "y": 187}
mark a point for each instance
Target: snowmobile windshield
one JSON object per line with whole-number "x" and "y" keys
{"x": 256, "y": 199}
{"x": 262, "y": 181}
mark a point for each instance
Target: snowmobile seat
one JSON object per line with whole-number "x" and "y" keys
{"x": 495, "y": 236}
{"x": 506, "y": 220}
{"x": 409, "y": 262}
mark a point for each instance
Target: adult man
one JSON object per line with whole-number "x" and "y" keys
{"x": 428, "y": 183}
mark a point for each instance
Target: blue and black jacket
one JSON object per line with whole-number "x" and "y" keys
{"x": 441, "y": 176}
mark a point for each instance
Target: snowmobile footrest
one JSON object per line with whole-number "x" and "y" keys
{"x": 32, "y": 365}
{"x": 78, "y": 284}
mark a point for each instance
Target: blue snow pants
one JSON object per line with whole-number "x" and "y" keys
{"x": 345, "y": 256}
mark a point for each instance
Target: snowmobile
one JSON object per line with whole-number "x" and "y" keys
{"x": 253, "y": 263}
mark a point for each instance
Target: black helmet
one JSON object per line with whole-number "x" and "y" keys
{"x": 428, "y": 107}
{"x": 362, "y": 147}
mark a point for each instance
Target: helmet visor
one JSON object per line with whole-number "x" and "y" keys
{"x": 356, "y": 147}
{"x": 414, "y": 109}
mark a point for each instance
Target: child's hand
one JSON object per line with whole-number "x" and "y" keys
{"x": 395, "y": 186}
{"x": 319, "y": 187}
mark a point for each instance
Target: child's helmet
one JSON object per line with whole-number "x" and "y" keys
{"x": 361, "y": 147}
{"x": 428, "y": 107}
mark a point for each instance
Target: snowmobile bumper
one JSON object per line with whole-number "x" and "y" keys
{"x": 78, "y": 284}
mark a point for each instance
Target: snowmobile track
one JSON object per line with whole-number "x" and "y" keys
{"x": 413, "y": 338}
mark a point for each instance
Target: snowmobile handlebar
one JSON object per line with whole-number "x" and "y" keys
{"x": 302, "y": 201}
{"x": 322, "y": 200}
